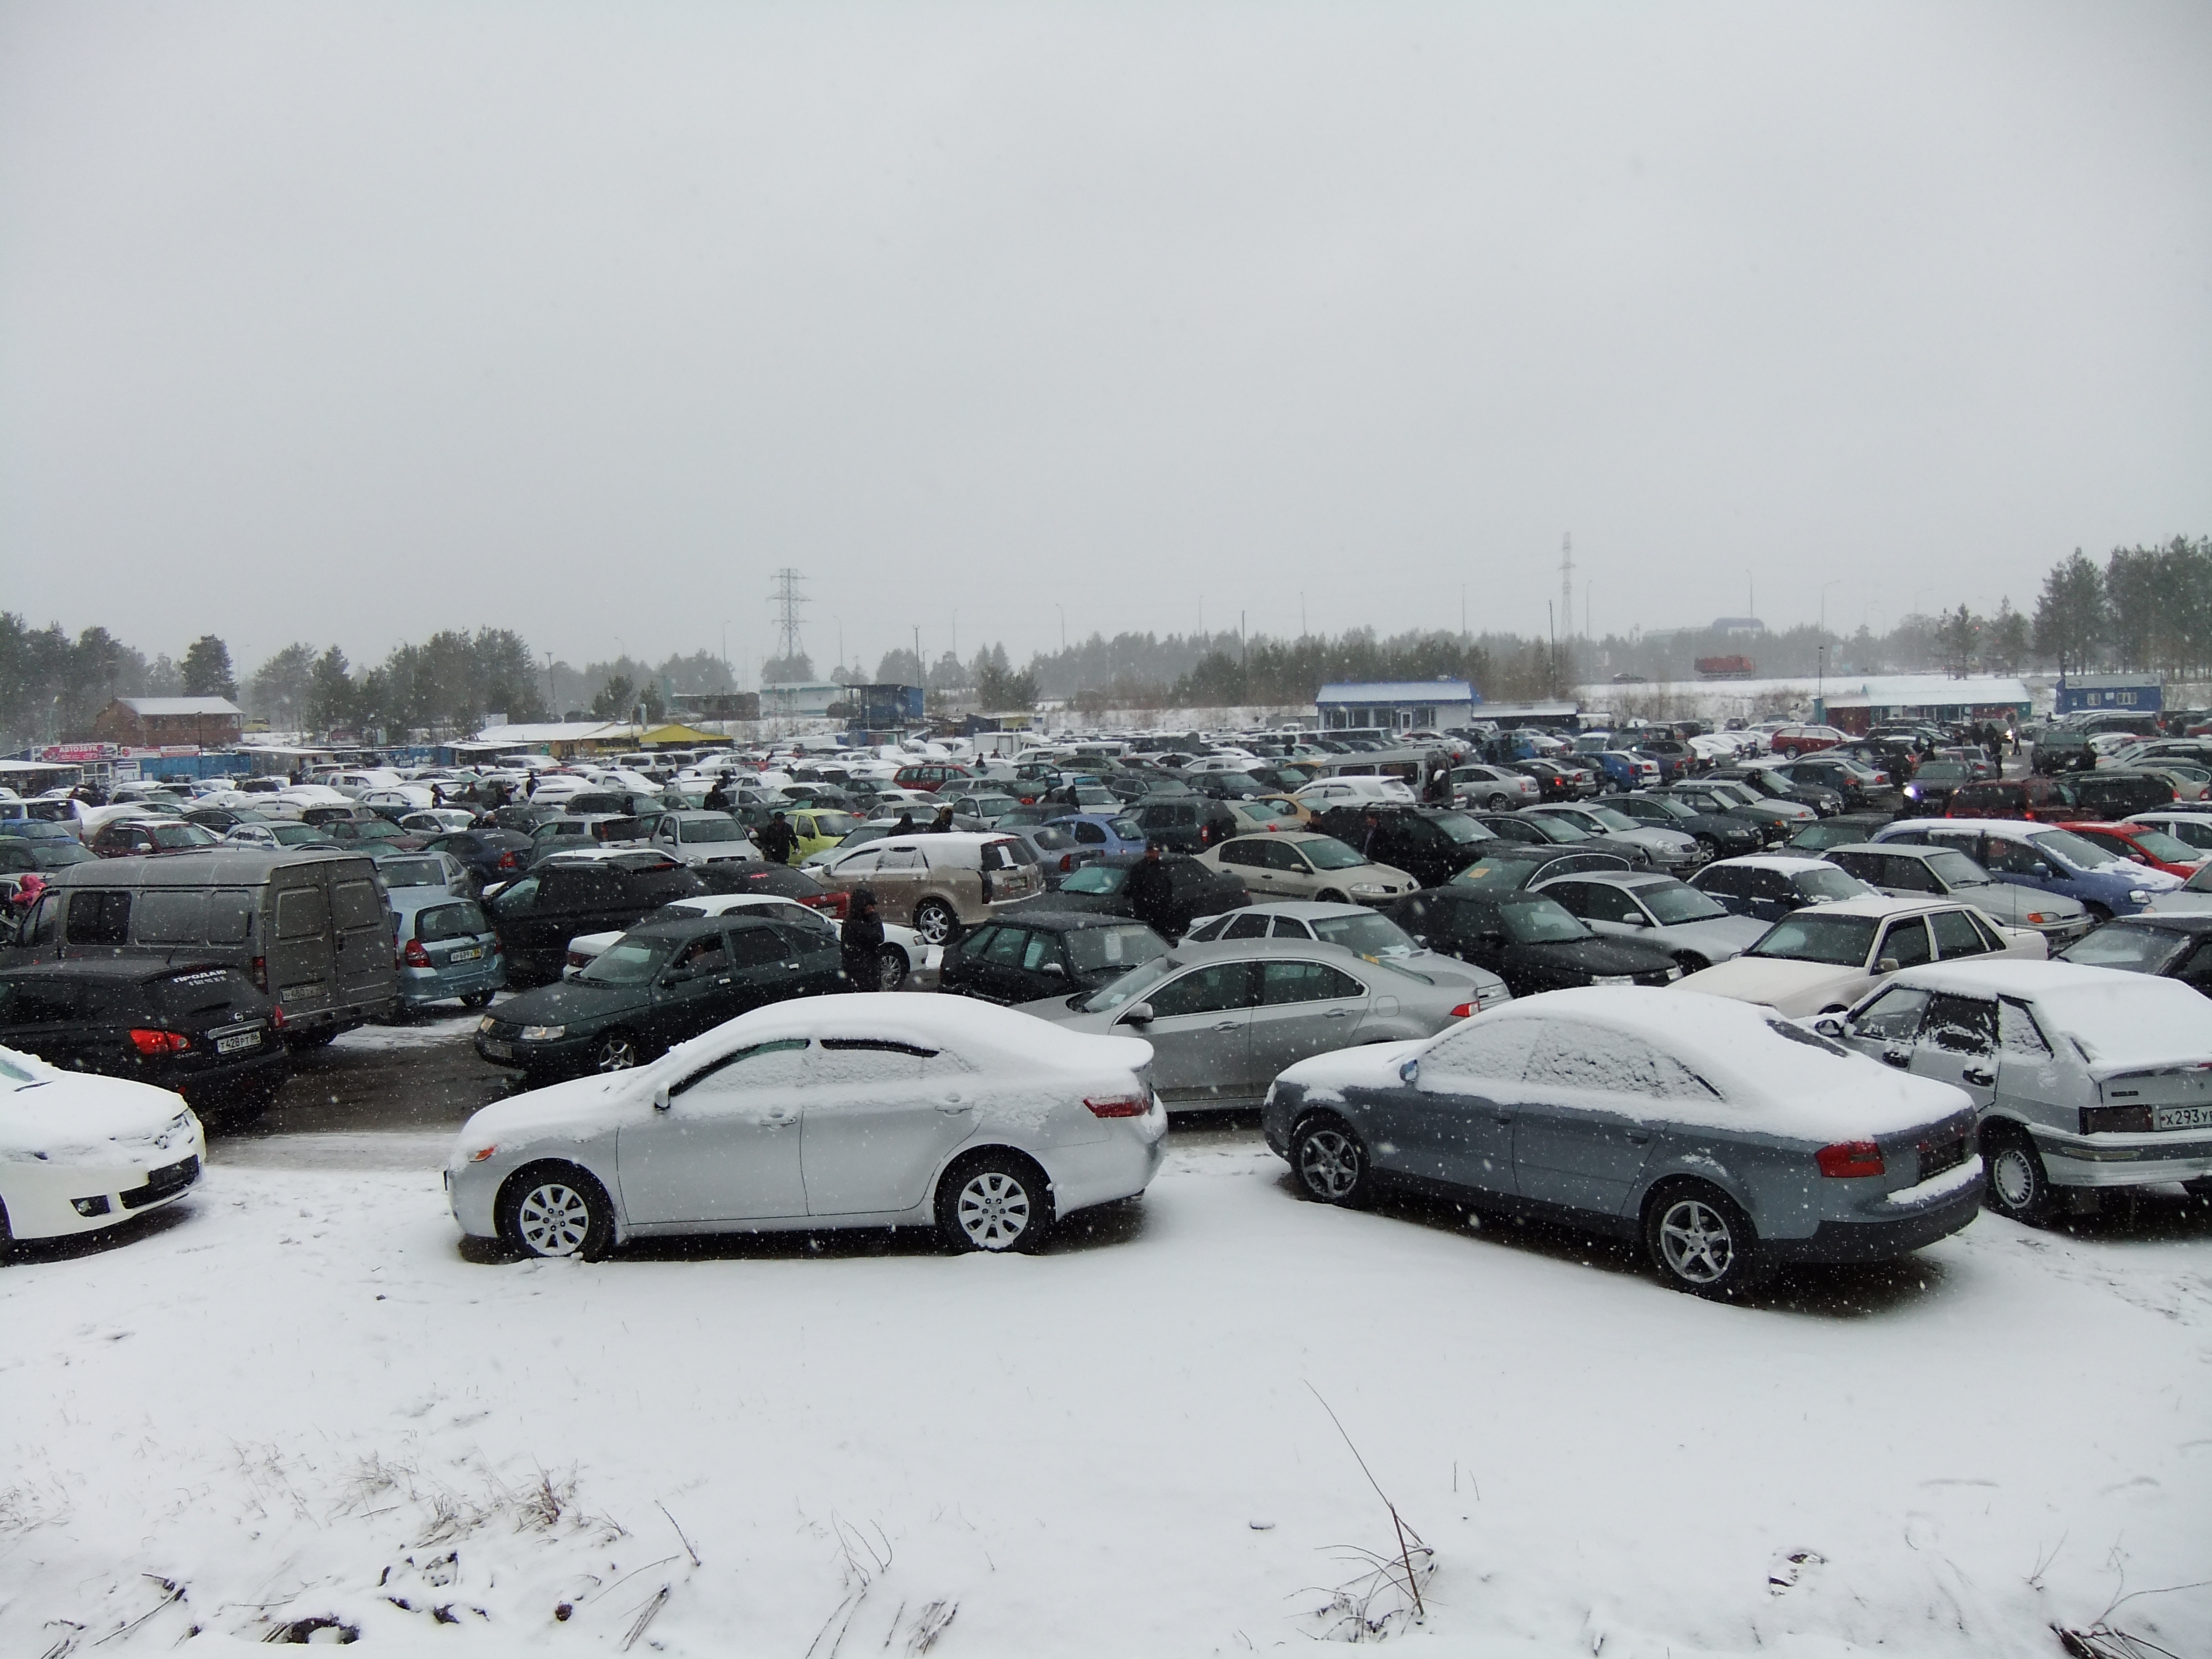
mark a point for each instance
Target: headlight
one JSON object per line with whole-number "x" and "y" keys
{"x": 543, "y": 1033}
{"x": 2137, "y": 895}
{"x": 1370, "y": 887}
{"x": 1613, "y": 979}
{"x": 486, "y": 1024}
{"x": 1673, "y": 974}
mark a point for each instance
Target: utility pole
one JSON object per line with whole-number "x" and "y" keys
{"x": 790, "y": 599}
{"x": 1567, "y": 586}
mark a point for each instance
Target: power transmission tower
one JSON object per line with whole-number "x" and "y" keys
{"x": 1567, "y": 588}
{"x": 790, "y": 599}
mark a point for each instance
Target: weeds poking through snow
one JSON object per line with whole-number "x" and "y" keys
{"x": 928, "y": 1625}
{"x": 1387, "y": 1597}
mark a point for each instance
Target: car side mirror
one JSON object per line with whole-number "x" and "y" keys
{"x": 1410, "y": 1071}
{"x": 1634, "y": 919}
{"x": 1490, "y": 936}
{"x": 1052, "y": 967}
{"x": 1828, "y": 1026}
{"x": 660, "y": 1099}
{"x": 1886, "y": 965}
{"x": 1140, "y": 1015}
{"x": 673, "y": 976}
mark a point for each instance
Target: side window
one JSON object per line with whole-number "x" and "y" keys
{"x": 1492, "y": 1051}
{"x": 2017, "y": 1031}
{"x": 99, "y": 916}
{"x": 356, "y": 904}
{"x": 1725, "y": 883}
{"x": 979, "y": 942}
{"x": 897, "y": 858}
{"x": 704, "y": 956}
{"x": 1238, "y": 852}
{"x": 1905, "y": 943}
{"x": 1041, "y": 949}
{"x": 172, "y": 918}
{"x": 1907, "y": 875}
{"x": 1244, "y": 925}
{"x": 858, "y": 864}
{"x": 1961, "y": 1025}
{"x": 1224, "y": 987}
{"x": 1005, "y": 949}
{"x": 1572, "y": 1056}
{"x": 1090, "y": 835}
{"x": 764, "y": 1065}
{"x": 754, "y": 947}
{"x": 1291, "y": 928}
{"x": 1893, "y": 1017}
{"x": 1604, "y": 904}
{"x": 2012, "y": 858}
{"x": 1285, "y": 982}
{"x": 860, "y": 1062}
{"x": 46, "y": 1002}
{"x": 1956, "y": 934}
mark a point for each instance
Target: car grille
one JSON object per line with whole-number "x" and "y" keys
{"x": 159, "y": 1183}
{"x": 1937, "y": 1155}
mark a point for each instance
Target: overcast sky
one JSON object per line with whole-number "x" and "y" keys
{"x": 352, "y": 322}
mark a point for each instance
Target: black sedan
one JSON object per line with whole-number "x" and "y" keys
{"x": 1720, "y": 836}
{"x": 1540, "y": 830}
{"x": 1531, "y": 942}
{"x": 1194, "y": 890}
{"x": 2171, "y": 944}
{"x": 489, "y": 854}
{"x": 205, "y": 1032}
{"x": 1029, "y": 957}
{"x": 654, "y": 987}
{"x": 1779, "y": 784}
{"x": 1932, "y": 787}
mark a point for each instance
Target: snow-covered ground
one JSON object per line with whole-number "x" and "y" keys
{"x": 294, "y": 1398}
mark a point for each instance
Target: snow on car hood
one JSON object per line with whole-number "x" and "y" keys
{"x": 1325, "y": 1077}
{"x": 1771, "y": 979}
{"x": 47, "y": 1112}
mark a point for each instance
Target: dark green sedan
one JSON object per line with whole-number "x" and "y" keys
{"x": 657, "y": 985}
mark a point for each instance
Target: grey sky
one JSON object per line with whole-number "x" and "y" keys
{"x": 352, "y": 322}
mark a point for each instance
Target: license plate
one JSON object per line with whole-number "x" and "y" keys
{"x": 469, "y": 955}
{"x": 231, "y": 1045}
{"x": 500, "y": 1050}
{"x": 2181, "y": 1117}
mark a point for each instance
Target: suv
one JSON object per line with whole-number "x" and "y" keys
{"x": 1184, "y": 823}
{"x": 2062, "y": 749}
{"x": 2105, "y": 794}
{"x": 581, "y": 892}
{"x": 1430, "y": 844}
{"x": 701, "y": 837}
{"x": 939, "y": 884}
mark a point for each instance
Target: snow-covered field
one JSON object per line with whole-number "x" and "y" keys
{"x": 295, "y": 1398}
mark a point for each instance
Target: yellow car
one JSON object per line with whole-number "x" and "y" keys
{"x": 818, "y": 827}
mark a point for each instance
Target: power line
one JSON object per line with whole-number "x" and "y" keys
{"x": 790, "y": 599}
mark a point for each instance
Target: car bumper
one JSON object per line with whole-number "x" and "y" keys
{"x": 420, "y": 985}
{"x": 254, "y": 1077}
{"x": 569, "y": 1054}
{"x": 43, "y": 1203}
{"x": 1882, "y": 1238}
{"x": 2134, "y": 1160}
{"x": 1121, "y": 1165}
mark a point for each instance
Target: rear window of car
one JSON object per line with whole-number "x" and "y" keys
{"x": 463, "y": 920}
{"x": 201, "y": 991}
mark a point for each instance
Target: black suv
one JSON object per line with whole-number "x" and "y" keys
{"x": 1530, "y": 940}
{"x": 577, "y": 893}
{"x": 1183, "y": 824}
{"x": 205, "y": 1032}
{"x": 1430, "y": 844}
{"x": 1027, "y": 958}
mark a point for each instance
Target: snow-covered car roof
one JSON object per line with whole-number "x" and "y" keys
{"x": 1789, "y": 864}
{"x": 2120, "y": 1022}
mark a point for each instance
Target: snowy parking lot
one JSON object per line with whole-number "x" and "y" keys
{"x": 295, "y": 1405}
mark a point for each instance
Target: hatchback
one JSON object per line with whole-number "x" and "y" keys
{"x": 446, "y": 949}
{"x": 1040, "y": 954}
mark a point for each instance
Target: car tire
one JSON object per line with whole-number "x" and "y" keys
{"x": 2019, "y": 1187}
{"x": 934, "y": 920}
{"x": 1700, "y": 1241}
{"x": 1691, "y": 963}
{"x": 1329, "y": 1162}
{"x": 555, "y": 1210}
{"x": 478, "y": 1000}
{"x": 2096, "y": 913}
{"x": 618, "y": 1050}
{"x": 1499, "y": 802}
{"x": 1329, "y": 896}
{"x": 1789, "y": 752}
{"x": 995, "y": 1202}
{"x": 891, "y": 968}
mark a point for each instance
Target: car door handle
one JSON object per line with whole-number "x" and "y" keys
{"x": 1336, "y": 1013}
{"x": 1504, "y": 1117}
{"x": 1899, "y": 1057}
{"x": 1640, "y": 1137}
{"x": 1977, "y": 1076}
{"x": 953, "y": 1106}
{"x": 779, "y": 1119}
{"x": 1227, "y": 1025}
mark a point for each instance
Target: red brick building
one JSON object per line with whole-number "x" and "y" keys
{"x": 152, "y": 722}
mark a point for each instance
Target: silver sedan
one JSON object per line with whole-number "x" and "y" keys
{"x": 1659, "y": 910}
{"x": 1223, "y": 1019}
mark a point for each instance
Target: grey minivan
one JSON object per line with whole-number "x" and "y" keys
{"x": 311, "y": 929}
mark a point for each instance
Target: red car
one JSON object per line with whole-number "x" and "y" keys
{"x": 138, "y": 837}
{"x": 1795, "y": 740}
{"x": 930, "y": 777}
{"x": 2144, "y": 845}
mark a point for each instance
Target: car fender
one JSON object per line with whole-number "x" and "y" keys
{"x": 1688, "y": 1157}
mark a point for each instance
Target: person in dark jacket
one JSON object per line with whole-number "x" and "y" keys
{"x": 905, "y": 824}
{"x": 718, "y": 798}
{"x": 861, "y": 942}
{"x": 1151, "y": 894}
{"x": 942, "y": 823}
{"x": 777, "y": 839}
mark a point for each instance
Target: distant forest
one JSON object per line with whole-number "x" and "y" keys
{"x": 2143, "y": 608}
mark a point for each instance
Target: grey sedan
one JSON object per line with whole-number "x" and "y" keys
{"x": 1695, "y": 930}
{"x": 1725, "y": 1138}
{"x": 1223, "y": 1019}
{"x": 1356, "y": 928}
{"x": 1905, "y": 871}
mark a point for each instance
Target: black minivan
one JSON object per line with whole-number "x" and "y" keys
{"x": 574, "y": 893}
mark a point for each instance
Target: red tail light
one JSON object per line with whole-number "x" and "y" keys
{"x": 1067, "y": 862}
{"x": 834, "y": 904}
{"x": 1847, "y": 1158}
{"x": 1119, "y": 1105}
{"x": 1465, "y": 1009}
{"x": 261, "y": 972}
{"x": 160, "y": 1042}
{"x": 275, "y": 1017}
{"x": 414, "y": 956}
{"x": 510, "y": 859}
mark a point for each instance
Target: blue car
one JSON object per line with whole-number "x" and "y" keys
{"x": 1622, "y": 771}
{"x": 2041, "y": 856}
{"x": 446, "y": 949}
{"x": 1103, "y": 834}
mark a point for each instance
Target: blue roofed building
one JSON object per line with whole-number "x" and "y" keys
{"x": 1395, "y": 705}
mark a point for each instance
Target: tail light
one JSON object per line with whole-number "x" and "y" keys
{"x": 1848, "y": 1158}
{"x": 1119, "y": 1105}
{"x": 1067, "y": 862}
{"x": 578, "y": 959}
{"x": 276, "y": 1021}
{"x": 510, "y": 859}
{"x": 1464, "y": 1009}
{"x": 261, "y": 972}
{"x": 160, "y": 1042}
{"x": 834, "y": 904}
{"x": 414, "y": 956}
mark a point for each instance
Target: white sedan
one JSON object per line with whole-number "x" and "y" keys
{"x": 842, "y": 1111}
{"x": 1825, "y": 957}
{"x": 79, "y": 1152}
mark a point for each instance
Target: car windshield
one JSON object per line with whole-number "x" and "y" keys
{"x": 2071, "y": 850}
{"x": 54, "y": 854}
{"x": 1553, "y": 827}
{"x": 626, "y": 962}
{"x": 294, "y": 835}
{"x": 1808, "y": 936}
{"x": 1674, "y": 902}
{"x": 1112, "y": 949}
{"x": 1096, "y": 879}
{"x": 1828, "y": 882}
{"x": 2162, "y": 845}
{"x": 1270, "y": 809}
{"x": 2136, "y": 949}
{"x": 1368, "y": 935}
{"x": 412, "y": 873}
{"x": 1941, "y": 772}
{"x": 714, "y": 829}
{"x": 1955, "y": 870}
{"x": 1327, "y": 852}
{"x": 1541, "y": 922}
{"x": 180, "y": 834}
{"x": 1132, "y": 987}
{"x": 1130, "y": 829}
{"x": 1458, "y": 826}
{"x": 1612, "y": 818}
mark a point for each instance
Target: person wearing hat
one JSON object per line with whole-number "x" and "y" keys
{"x": 860, "y": 939}
{"x": 777, "y": 839}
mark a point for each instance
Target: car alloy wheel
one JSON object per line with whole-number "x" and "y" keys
{"x": 891, "y": 968}
{"x": 1701, "y": 1242}
{"x": 557, "y": 1212}
{"x": 934, "y": 920}
{"x": 995, "y": 1201}
{"x": 615, "y": 1052}
{"x": 1331, "y": 1164}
